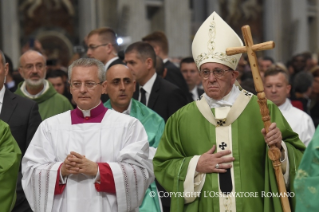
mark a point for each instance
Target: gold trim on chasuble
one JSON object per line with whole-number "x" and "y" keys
{"x": 231, "y": 60}
{"x": 224, "y": 117}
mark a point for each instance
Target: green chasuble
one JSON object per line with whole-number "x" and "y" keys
{"x": 187, "y": 133}
{"x": 50, "y": 103}
{"x": 307, "y": 178}
{"x": 154, "y": 127}
{"x": 10, "y": 156}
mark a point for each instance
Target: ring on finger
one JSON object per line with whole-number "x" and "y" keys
{"x": 217, "y": 166}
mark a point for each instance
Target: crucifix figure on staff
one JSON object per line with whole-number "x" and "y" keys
{"x": 215, "y": 150}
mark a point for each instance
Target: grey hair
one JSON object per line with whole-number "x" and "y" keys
{"x": 3, "y": 58}
{"x": 88, "y": 62}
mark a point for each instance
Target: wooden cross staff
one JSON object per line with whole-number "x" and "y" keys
{"x": 273, "y": 152}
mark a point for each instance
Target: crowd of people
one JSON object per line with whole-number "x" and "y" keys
{"x": 116, "y": 131}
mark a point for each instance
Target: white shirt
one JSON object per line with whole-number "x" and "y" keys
{"x": 148, "y": 88}
{"x": 109, "y": 62}
{"x": 3, "y": 89}
{"x": 299, "y": 121}
{"x": 165, "y": 60}
{"x": 194, "y": 93}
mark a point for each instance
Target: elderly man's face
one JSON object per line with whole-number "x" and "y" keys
{"x": 277, "y": 88}
{"x": 3, "y": 71}
{"x": 214, "y": 87}
{"x": 120, "y": 86}
{"x": 32, "y": 68}
{"x": 86, "y": 87}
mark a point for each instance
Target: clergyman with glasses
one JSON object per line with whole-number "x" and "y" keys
{"x": 90, "y": 158}
{"x": 32, "y": 68}
{"x": 213, "y": 152}
{"x": 102, "y": 45}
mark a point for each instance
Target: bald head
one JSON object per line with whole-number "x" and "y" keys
{"x": 120, "y": 86}
{"x": 119, "y": 68}
{"x": 29, "y": 55}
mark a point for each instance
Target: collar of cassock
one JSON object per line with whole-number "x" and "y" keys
{"x": 93, "y": 115}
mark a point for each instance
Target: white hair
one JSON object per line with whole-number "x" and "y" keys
{"x": 88, "y": 62}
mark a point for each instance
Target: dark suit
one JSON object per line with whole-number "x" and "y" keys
{"x": 23, "y": 117}
{"x": 175, "y": 76}
{"x": 199, "y": 92}
{"x": 165, "y": 98}
{"x": 105, "y": 97}
{"x": 115, "y": 62}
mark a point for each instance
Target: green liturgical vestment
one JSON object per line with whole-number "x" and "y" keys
{"x": 188, "y": 133}
{"x": 154, "y": 127}
{"x": 307, "y": 178}
{"x": 50, "y": 103}
{"x": 10, "y": 156}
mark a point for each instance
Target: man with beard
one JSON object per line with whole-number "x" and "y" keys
{"x": 33, "y": 70}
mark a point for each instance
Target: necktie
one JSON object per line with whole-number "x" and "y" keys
{"x": 143, "y": 96}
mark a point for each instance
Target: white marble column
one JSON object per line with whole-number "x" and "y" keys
{"x": 10, "y": 30}
{"x": 87, "y": 17}
{"x": 273, "y": 27}
{"x": 299, "y": 18}
{"x": 132, "y": 19}
{"x": 178, "y": 27}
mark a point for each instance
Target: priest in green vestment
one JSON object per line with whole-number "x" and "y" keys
{"x": 307, "y": 178}
{"x": 120, "y": 88}
{"x": 213, "y": 153}
{"x": 10, "y": 157}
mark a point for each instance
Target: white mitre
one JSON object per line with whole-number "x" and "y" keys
{"x": 211, "y": 41}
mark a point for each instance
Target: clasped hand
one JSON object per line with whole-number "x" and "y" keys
{"x": 76, "y": 163}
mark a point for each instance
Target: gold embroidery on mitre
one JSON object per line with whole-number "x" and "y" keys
{"x": 231, "y": 60}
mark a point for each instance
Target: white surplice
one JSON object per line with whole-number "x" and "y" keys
{"x": 299, "y": 121}
{"x": 119, "y": 140}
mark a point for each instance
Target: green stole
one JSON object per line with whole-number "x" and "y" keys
{"x": 253, "y": 170}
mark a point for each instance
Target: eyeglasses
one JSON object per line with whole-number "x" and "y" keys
{"x": 29, "y": 67}
{"x": 97, "y": 46}
{"x": 89, "y": 85}
{"x": 217, "y": 72}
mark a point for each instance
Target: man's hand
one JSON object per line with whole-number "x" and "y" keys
{"x": 83, "y": 165}
{"x": 273, "y": 137}
{"x": 68, "y": 167}
{"x": 208, "y": 161}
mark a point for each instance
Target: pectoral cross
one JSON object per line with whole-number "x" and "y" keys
{"x": 273, "y": 152}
